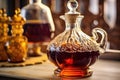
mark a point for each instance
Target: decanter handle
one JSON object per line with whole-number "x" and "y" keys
{"x": 101, "y": 42}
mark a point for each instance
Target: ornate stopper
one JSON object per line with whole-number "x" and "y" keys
{"x": 17, "y": 18}
{"x": 72, "y": 14}
{"x": 3, "y": 17}
{"x": 4, "y": 21}
{"x": 72, "y": 6}
{"x": 17, "y": 23}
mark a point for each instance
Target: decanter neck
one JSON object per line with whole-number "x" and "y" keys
{"x": 35, "y": 1}
{"x": 76, "y": 24}
{"x": 70, "y": 26}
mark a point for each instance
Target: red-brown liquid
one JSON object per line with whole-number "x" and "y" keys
{"x": 77, "y": 59}
{"x": 73, "y": 63}
{"x": 37, "y": 32}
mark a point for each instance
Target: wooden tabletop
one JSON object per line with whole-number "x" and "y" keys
{"x": 103, "y": 70}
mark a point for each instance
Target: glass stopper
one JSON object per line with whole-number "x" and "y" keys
{"x": 72, "y": 5}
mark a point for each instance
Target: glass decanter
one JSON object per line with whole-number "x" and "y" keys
{"x": 73, "y": 51}
{"x": 4, "y": 20}
{"x": 17, "y": 45}
{"x": 39, "y": 27}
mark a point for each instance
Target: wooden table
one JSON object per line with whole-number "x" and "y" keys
{"x": 103, "y": 70}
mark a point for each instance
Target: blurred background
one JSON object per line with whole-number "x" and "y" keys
{"x": 98, "y": 13}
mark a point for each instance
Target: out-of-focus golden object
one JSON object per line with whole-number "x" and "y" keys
{"x": 17, "y": 44}
{"x": 4, "y": 20}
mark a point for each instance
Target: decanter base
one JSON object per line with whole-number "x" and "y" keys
{"x": 73, "y": 72}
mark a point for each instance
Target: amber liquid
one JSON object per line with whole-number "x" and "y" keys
{"x": 36, "y": 32}
{"x": 73, "y": 63}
